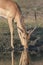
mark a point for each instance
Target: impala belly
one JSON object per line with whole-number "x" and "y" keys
{"x": 5, "y": 13}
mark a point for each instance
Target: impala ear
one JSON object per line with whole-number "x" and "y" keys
{"x": 30, "y": 32}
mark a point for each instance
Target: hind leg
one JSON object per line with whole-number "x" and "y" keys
{"x": 11, "y": 31}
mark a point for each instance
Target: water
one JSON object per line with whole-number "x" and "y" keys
{"x": 8, "y": 58}
{"x": 13, "y": 58}
{"x": 22, "y": 58}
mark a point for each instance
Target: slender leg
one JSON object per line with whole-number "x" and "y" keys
{"x": 11, "y": 31}
{"x": 12, "y": 58}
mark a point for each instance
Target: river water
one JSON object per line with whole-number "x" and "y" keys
{"x": 22, "y": 58}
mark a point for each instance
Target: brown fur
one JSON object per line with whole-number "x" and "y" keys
{"x": 10, "y": 10}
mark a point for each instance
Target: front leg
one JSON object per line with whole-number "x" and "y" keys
{"x": 11, "y": 31}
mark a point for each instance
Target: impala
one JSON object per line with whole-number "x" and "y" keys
{"x": 11, "y": 11}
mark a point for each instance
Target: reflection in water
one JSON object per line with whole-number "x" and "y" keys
{"x": 12, "y": 57}
{"x": 24, "y": 60}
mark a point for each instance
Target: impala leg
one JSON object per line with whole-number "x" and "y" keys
{"x": 11, "y": 31}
